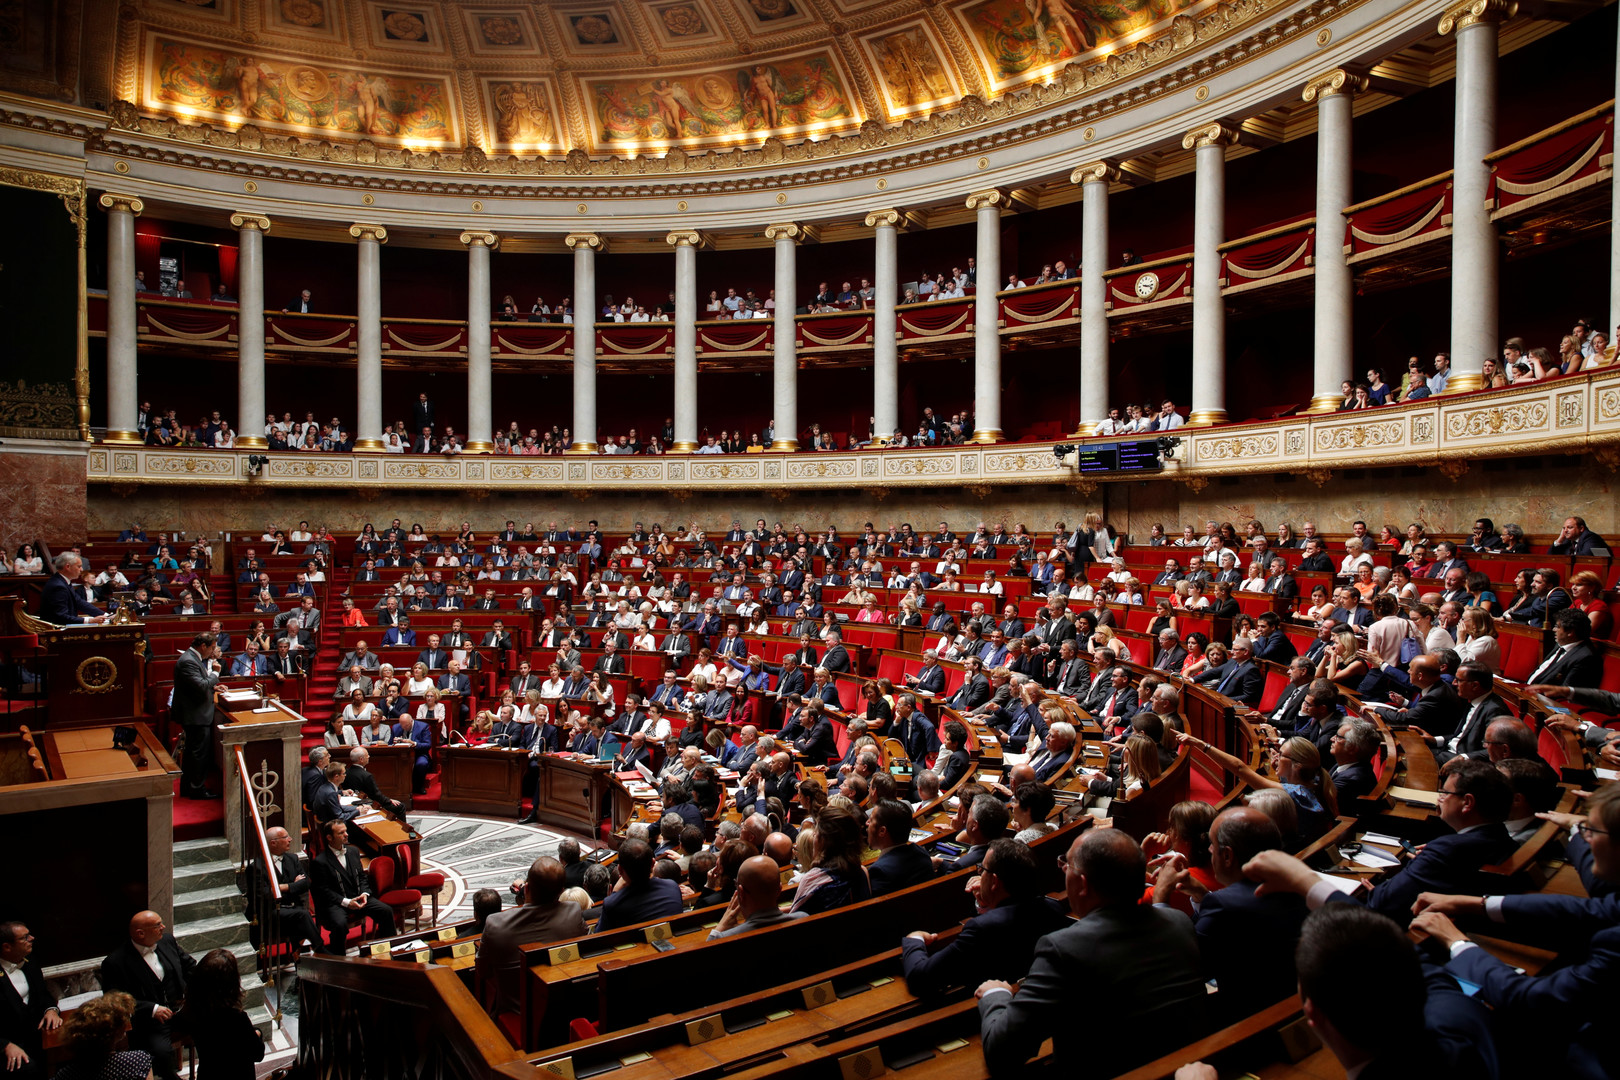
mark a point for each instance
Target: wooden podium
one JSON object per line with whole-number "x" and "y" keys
{"x": 93, "y": 673}
{"x": 476, "y": 780}
{"x": 391, "y": 767}
{"x": 270, "y": 743}
{"x": 573, "y": 793}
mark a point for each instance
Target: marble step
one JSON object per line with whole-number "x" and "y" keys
{"x": 209, "y": 849}
{"x": 198, "y": 936}
{"x": 206, "y": 903}
{"x": 262, "y": 1018}
{"x": 206, "y": 875}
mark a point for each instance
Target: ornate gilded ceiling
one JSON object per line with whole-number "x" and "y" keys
{"x": 611, "y": 77}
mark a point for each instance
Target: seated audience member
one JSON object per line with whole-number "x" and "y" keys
{"x": 754, "y": 903}
{"x": 1246, "y": 941}
{"x": 133, "y": 968}
{"x": 641, "y": 896}
{"x": 1474, "y": 801}
{"x": 986, "y": 820}
{"x": 344, "y": 893}
{"x": 98, "y": 1036}
{"x": 836, "y": 877}
{"x": 29, "y": 1010}
{"x": 1142, "y": 960}
{"x": 901, "y": 863}
{"x": 1558, "y": 1023}
{"x": 542, "y": 916}
{"x": 999, "y": 942}
{"x": 1353, "y": 747}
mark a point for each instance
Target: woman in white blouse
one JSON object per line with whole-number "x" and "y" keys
{"x": 553, "y": 685}
{"x": 340, "y": 730}
{"x": 625, "y": 619}
{"x": 1476, "y": 639}
{"x": 431, "y": 712}
{"x": 533, "y": 712}
{"x": 1256, "y": 581}
{"x": 704, "y": 666}
{"x": 1355, "y": 555}
{"x": 600, "y": 692}
{"x": 1187, "y": 538}
{"x": 27, "y": 562}
{"x": 419, "y": 683}
{"x": 393, "y": 445}
{"x": 644, "y": 640}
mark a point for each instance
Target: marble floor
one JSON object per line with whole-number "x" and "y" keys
{"x": 477, "y": 853}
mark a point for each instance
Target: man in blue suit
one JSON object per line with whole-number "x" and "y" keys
{"x": 417, "y": 733}
{"x": 1474, "y": 801}
{"x": 902, "y": 863}
{"x": 250, "y": 662}
{"x": 1055, "y": 755}
{"x": 914, "y": 730}
{"x": 58, "y": 603}
{"x": 641, "y": 897}
{"x": 1559, "y": 1008}
{"x": 997, "y": 943}
{"x": 930, "y": 677}
{"x": 1243, "y": 682}
{"x": 1246, "y": 941}
{"x": 1273, "y": 644}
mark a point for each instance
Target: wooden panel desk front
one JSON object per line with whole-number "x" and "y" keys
{"x": 481, "y": 780}
{"x": 391, "y": 767}
{"x": 572, "y": 792}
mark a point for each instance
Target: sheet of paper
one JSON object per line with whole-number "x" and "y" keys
{"x": 1607, "y": 774}
{"x": 1380, "y": 838}
{"x": 1415, "y": 796}
{"x": 1370, "y": 857}
{"x": 1339, "y": 882}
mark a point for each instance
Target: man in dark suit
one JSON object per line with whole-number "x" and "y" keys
{"x": 525, "y": 680}
{"x": 1574, "y": 662}
{"x": 1142, "y": 960}
{"x": 326, "y": 798}
{"x": 999, "y": 942}
{"x": 289, "y": 906}
{"x": 541, "y": 916}
{"x": 360, "y": 781}
{"x": 422, "y": 413}
{"x": 58, "y": 603}
{"x": 837, "y": 657}
{"x": 344, "y": 893}
{"x": 433, "y": 657}
{"x": 1170, "y": 655}
{"x": 902, "y": 863}
{"x": 1280, "y": 583}
{"x": 1435, "y": 709}
{"x": 1055, "y": 754}
{"x": 1576, "y": 539}
{"x": 1119, "y": 704}
{"x": 1353, "y": 747}
{"x": 818, "y": 744}
{"x": 1474, "y": 801}
{"x": 152, "y": 968}
{"x": 1475, "y": 685}
{"x": 641, "y": 896}
{"x": 914, "y": 730}
{"x": 975, "y": 688}
{"x": 1286, "y": 713}
{"x": 27, "y": 1011}
{"x": 1271, "y": 643}
{"x": 930, "y": 677}
{"x": 1246, "y": 941}
{"x": 1243, "y": 682}
{"x": 610, "y": 662}
{"x": 195, "y": 674}
{"x": 1171, "y": 573}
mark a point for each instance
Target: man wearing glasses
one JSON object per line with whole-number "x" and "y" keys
{"x": 26, "y": 1006}
{"x": 1475, "y": 800}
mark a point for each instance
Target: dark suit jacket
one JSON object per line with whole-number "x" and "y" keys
{"x": 1243, "y": 682}
{"x": 931, "y": 679}
{"x": 59, "y": 604}
{"x": 1283, "y": 585}
{"x": 653, "y": 899}
{"x": 1472, "y": 741}
{"x": 19, "y": 1023}
{"x": 1438, "y": 710}
{"x": 1275, "y": 647}
{"x": 1581, "y": 665}
{"x": 918, "y": 735}
{"x": 1351, "y": 782}
{"x": 193, "y": 691}
{"x": 836, "y": 659}
{"x": 1447, "y": 864}
{"x": 998, "y": 944}
{"x": 951, "y": 768}
{"x": 1143, "y": 961}
{"x": 123, "y": 969}
{"x": 1286, "y": 714}
{"x": 900, "y": 867}
{"x": 1247, "y": 944}
{"x": 1170, "y": 659}
{"x": 819, "y": 744}
{"x": 1124, "y": 705}
{"x": 334, "y": 882}
{"x": 971, "y": 694}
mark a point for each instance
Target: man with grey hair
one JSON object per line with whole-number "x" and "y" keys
{"x": 931, "y": 677}
{"x": 987, "y": 821}
{"x": 58, "y": 603}
{"x": 1243, "y": 680}
{"x": 1353, "y": 747}
{"x": 1171, "y": 655}
{"x": 1055, "y": 754}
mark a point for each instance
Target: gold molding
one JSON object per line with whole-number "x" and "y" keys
{"x": 1206, "y": 417}
{"x": 687, "y": 238}
{"x": 128, "y": 204}
{"x": 785, "y": 444}
{"x": 889, "y": 216}
{"x": 1324, "y": 403}
{"x": 1475, "y": 12}
{"x": 363, "y": 231}
{"x": 1093, "y": 172}
{"x": 594, "y": 241}
{"x": 1461, "y": 382}
{"x": 796, "y": 231}
{"x": 251, "y": 221}
{"x": 1217, "y": 133}
{"x": 1338, "y": 81}
{"x": 989, "y": 197}
{"x": 75, "y": 198}
{"x": 487, "y": 239}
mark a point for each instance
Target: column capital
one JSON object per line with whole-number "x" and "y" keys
{"x": 251, "y": 221}
{"x": 989, "y": 197}
{"x": 1337, "y": 81}
{"x": 129, "y": 204}
{"x": 1218, "y": 133}
{"x": 594, "y": 241}
{"x": 796, "y": 231}
{"x": 889, "y": 215}
{"x": 476, "y": 238}
{"x": 1095, "y": 172}
{"x": 692, "y": 238}
{"x": 1473, "y": 12}
{"x": 362, "y": 231}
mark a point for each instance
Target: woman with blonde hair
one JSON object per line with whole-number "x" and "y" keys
{"x": 1476, "y": 639}
{"x": 419, "y": 683}
{"x": 1298, "y": 768}
{"x": 1342, "y": 663}
{"x": 533, "y": 712}
{"x": 1139, "y": 764}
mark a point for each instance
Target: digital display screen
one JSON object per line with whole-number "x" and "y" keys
{"x": 1120, "y": 457}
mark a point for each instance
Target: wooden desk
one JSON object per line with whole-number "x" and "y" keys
{"x": 572, "y": 793}
{"x": 391, "y": 767}
{"x": 94, "y": 673}
{"x": 381, "y": 837}
{"x": 479, "y": 780}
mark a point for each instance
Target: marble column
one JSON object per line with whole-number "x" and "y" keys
{"x": 123, "y": 405}
{"x": 585, "y": 246}
{"x": 368, "y": 426}
{"x": 1334, "y": 284}
{"x": 885, "y": 224}
{"x": 785, "y": 237}
{"x": 1094, "y": 179}
{"x": 987, "y": 207}
{"x": 250, "y": 230}
{"x": 1474, "y": 254}
{"x": 686, "y": 243}
{"x": 1209, "y": 143}
{"x": 480, "y": 394}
